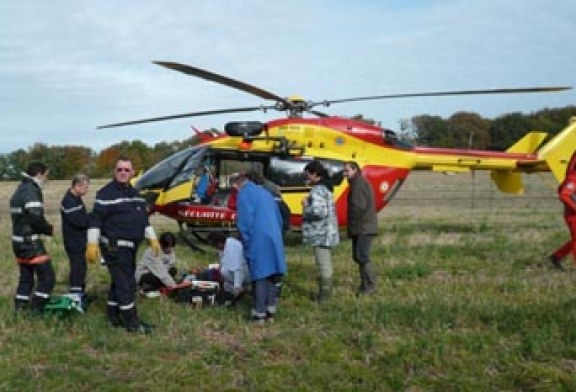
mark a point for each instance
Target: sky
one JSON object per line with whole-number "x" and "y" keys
{"x": 67, "y": 66}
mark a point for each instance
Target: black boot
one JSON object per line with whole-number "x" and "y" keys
{"x": 20, "y": 306}
{"x": 113, "y": 315}
{"x": 556, "y": 262}
{"x": 368, "y": 285}
{"x": 133, "y": 324}
{"x": 324, "y": 290}
{"x": 37, "y": 304}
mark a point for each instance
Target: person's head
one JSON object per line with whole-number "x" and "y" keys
{"x": 233, "y": 179}
{"x": 123, "y": 170}
{"x": 255, "y": 176}
{"x": 352, "y": 169}
{"x": 238, "y": 180}
{"x": 80, "y": 183}
{"x": 315, "y": 171}
{"x": 167, "y": 241}
{"x": 38, "y": 171}
{"x": 217, "y": 239}
{"x": 256, "y": 173}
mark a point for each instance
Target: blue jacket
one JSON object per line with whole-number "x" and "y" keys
{"x": 75, "y": 221}
{"x": 260, "y": 224}
{"x": 120, "y": 212}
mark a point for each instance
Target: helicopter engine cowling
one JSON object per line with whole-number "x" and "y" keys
{"x": 244, "y": 128}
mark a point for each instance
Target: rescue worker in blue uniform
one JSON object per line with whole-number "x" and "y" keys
{"x": 28, "y": 226}
{"x": 75, "y": 221}
{"x": 118, "y": 224}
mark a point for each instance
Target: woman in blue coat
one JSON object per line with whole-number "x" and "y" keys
{"x": 260, "y": 225}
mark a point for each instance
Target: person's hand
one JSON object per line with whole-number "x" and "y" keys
{"x": 92, "y": 253}
{"x": 236, "y": 291}
{"x": 184, "y": 283}
{"x": 155, "y": 246}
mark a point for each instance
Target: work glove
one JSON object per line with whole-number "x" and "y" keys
{"x": 150, "y": 235}
{"x": 92, "y": 253}
{"x": 92, "y": 248}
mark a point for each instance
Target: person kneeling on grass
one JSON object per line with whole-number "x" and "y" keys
{"x": 156, "y": 272}
{"x": 233, "y": 267}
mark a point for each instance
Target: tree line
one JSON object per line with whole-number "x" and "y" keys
{"x": 461, "y": 130}
{"x": 469, "y": 130}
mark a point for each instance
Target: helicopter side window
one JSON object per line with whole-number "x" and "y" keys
{"x": 172, "y": 170}
{"x": 391, "y": 137}
{"x": 189, "y": 167}
{"x": 289, "y": 173}
{"x": 335, "y": 169}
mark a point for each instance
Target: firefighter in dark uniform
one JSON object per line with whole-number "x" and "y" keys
{"x": 28, "y": 226}
{"x": 567, "y": 194}
{"x": 118, "y": 224}
{"x": 75, "y": 221}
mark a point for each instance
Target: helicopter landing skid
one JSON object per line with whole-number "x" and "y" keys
{"x": 193, "y": 235}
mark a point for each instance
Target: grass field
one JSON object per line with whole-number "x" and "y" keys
{"x": 466, "y": 302}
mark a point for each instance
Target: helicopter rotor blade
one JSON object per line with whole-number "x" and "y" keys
{"x": 445, "y": 93}
{"x": 186, "y": 115}
{"x": 318, "y": 114}
{"x": 214, "y": 77}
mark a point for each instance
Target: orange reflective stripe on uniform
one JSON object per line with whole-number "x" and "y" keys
{"x": 33, "y": 260}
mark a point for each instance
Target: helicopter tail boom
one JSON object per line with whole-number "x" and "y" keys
{"x": 553, "y": 156}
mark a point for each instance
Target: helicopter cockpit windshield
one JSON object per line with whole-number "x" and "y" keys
{"x": 173, "y": 170}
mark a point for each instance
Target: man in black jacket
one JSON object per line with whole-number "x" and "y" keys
{"x": 75, "y": 221}
{"x": 119, "y": 222}
{"x": 28, "y": 226}
{"x": 362, "y": 224}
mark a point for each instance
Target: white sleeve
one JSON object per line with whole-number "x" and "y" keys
{"x": 93, "y": 235}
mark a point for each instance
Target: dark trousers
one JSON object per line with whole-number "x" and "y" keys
{"x": 46, "y": 281}
{"x": 265, "y": 296}
{"x": 77, "y": 277}
{"x": 150, "y": 282}
{"x": 122, "y": 266}
{"x": 361, "y": 253}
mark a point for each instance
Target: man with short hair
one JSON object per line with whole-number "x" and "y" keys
{"x": 362, "y": 224}
{"x": 28, "y": 226}
{"x": 119, "y": 222}
{"x": 75, "y": 222}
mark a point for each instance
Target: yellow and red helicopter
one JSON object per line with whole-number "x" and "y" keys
{"x": 281, "y": 148}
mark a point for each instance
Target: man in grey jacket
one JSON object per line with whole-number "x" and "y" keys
{"x": 362, "y": 224}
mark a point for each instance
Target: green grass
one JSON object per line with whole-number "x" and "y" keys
{"x": 466, "y": 302}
